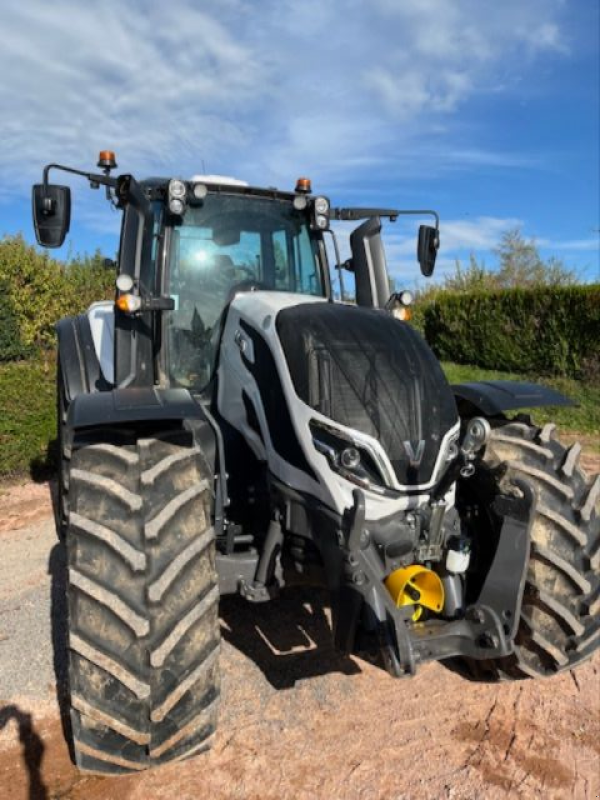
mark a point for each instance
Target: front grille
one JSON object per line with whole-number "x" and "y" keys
{"x": 366, "y": 370}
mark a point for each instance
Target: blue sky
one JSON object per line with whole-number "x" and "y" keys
{"x": 486, "y": 111}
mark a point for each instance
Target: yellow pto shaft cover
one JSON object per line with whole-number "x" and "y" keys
{"x": 416, "y": 585}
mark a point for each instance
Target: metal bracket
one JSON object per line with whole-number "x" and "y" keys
{"x": 489, "y": 626}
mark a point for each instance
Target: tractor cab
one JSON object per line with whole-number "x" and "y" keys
{"x": 231, "y": 242}
{"x": 189, "y": 247}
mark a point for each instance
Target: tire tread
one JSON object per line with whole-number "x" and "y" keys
{"x": 142, "y": 597}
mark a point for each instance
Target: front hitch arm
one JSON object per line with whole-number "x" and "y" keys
{"x": 489, "y": 624}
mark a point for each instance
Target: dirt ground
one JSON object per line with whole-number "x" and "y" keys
{"x": 297, "y": 720}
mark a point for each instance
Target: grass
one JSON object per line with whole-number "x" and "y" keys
{"x": 28, "y": 426}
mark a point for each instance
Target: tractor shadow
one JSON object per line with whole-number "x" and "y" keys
{"x": 44, "y": 467}
{"x": 289, "y": 639}
{"x": 32, "y": 748}
{"x": 57, "y": 568}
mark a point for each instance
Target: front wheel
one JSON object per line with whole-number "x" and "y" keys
{"x": 560, "y": 624}
{"x": 63, "y": 457}
{"x": 142, "y": 599}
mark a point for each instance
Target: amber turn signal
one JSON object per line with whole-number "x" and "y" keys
{"x": 404, "y": 313}
{"x": 128, "y": 303}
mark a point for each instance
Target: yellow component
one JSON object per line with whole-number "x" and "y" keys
{"x": 416, "y": 585}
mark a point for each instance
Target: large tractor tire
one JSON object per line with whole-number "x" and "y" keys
{"x": 63, "y": 457}
{"x": 560, "y": 621}
{"x": 143, "y": 601}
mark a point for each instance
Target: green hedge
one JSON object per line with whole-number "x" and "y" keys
{"x": 36, "y": 291}
{"x": 546, "y": 330}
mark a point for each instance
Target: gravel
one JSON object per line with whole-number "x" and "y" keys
{"x": 297, "y": 719}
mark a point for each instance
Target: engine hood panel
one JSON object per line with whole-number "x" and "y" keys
{"x": 257, "y": 305}
{"x": 372, "y": 373}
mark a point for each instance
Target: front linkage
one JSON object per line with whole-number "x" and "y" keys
{"x": 489, "y": 625}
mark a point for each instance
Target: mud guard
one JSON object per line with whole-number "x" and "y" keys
{"x": 493, "y": 397}
{"x": 139, "y": 405}
{"x": 79, "y": 365}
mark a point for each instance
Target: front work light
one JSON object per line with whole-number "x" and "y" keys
{"x": 177, "y": 197}
{"x": 176, "y": 206}
{"x": 177, "y": 189}
{"x": 320, "y": 214}
{"x": 321, "y": 205}
{"x": 124, "y": 282}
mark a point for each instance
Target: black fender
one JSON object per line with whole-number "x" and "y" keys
{"x": 490, "y": 398}
{"x": 80, "y": 371}
{"x": 143, "y": 405}
{"x": 92, "y": 402}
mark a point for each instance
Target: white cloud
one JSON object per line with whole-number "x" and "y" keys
{"x": 459, "y": 238}
{"x": 156, "y": 85}
{"x": 591, "y": 244}
{"x": 266, "y": 90}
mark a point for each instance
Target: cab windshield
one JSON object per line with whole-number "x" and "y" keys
{"x": 227, "y": 245}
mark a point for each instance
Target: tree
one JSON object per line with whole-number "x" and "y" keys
{"x": 36, "y": 291}
{"x": 519, "y": 264}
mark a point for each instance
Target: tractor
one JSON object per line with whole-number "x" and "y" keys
{"x": 231, "y": 422}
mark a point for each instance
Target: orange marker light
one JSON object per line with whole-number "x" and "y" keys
{"x": 403, "y": 312}
{"x": 128, "y": 303}
{"x": 107, "y": 159}
{"x": 303, "y": 185}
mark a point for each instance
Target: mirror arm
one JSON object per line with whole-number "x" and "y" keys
{"x": 92, "y": 177}
{"x": 391, "y": 213}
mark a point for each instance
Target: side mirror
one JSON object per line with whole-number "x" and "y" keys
{"x": 51, "y": 208}
{"x": 429, "y": 242}
{"x": 368, "y": 260}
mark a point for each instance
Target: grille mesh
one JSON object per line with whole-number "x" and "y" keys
{"x": 368, "y": 371}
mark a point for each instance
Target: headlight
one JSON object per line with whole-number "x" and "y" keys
{"x": 346, "y": 457}
{"x": 406, "y": 298}
{"x": 350, "y": 458}
{"x": 322, "y": 222}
